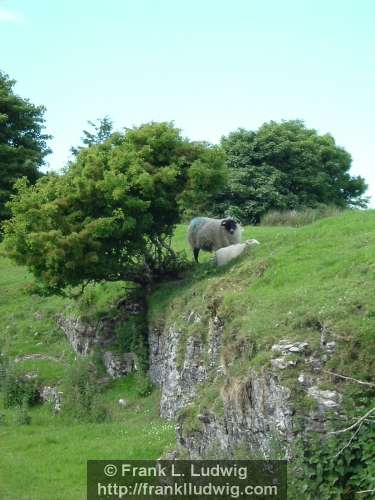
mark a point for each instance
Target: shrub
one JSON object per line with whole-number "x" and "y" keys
{"x": 335, "y": 467}
{"x": 81, "y": 394}
{"x": 111, "y": 214}
{"x": 17, "y": 388}
{"x": 143, "y": 384}
{"x": 22, "y": 416}
{"x": 132, "y": 337}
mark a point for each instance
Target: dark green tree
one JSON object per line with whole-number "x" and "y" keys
{"x": 23, "y": 145}
{"x": 111, "y": 214}
{"x": 286, "y": 165}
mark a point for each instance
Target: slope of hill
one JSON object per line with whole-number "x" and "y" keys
{"x": 294, "y": 281}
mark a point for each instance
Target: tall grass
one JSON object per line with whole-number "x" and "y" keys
{"x": 297, "y": 218}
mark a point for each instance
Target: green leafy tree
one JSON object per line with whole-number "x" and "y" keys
{"x": 286, "y": 165}
{"x": 206, "y": 178}
{"x": 101, "y": 131}
{"x": 23, "y": 145}
{"x": 110, "y": 216}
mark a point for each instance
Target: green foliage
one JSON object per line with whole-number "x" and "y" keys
{"x": 23, "y": 145}
{"x": 111, "y": 215}
{"x": 265, "y": 297}
{"x": 17, "y": 389}
{"x": 22, "y": 416}
{"x": 297, "y": 218}
{"x": 102, "y": 131}
{"x": 132, "y": 337}
{"x": 143, "y": 384}
{"x": 329, "y": 473}
{"x": 207, "y": 177}
{"x": 81, "y": 394}
{"x": 286, "y": 166}
{"x": 100, "y": 300}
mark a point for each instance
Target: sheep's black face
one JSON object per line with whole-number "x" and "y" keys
{"x": 230, "y": 225}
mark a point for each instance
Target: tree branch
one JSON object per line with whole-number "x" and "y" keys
{"x": 349, "y": 378}
{"x": 356, "y": 423}
{"x": 350, "y": 440}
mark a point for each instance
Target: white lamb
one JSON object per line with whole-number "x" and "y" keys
{"x": 226, "y": 254}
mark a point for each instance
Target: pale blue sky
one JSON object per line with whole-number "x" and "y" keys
{"x": 209, "y": 65}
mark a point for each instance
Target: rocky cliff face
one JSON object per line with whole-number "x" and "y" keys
{"x": 83, "y": 336}
{"x": 257, "y": 410}
{"x": 256, "y": 414}
{"x": 86, "y": 336}
{"x": 180, "y": 383}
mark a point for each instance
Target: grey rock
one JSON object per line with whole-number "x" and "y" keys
{"x": 53, "y": 396}
{"x": 327, "y": 399}
{"x": 331, "y": 347}
{"x": 257, "y": 410}
{"x": 255, "y": 413}
{"x": 82, "y": 336}
{"x": 306, "y": 379}
{"x": 193, "y": 317}
{"x": 285, "y": 348}
{"x": 86, "y": 337}
{"x": 215, "y": 334}
{"x": 282, "y": 363}
{"x": 179, "y": 384}
{"x": 119, "y": 364}
{"x": 35, "y": 357}
{"x": 315, "y": 362}
{"x": 169, "y": 455}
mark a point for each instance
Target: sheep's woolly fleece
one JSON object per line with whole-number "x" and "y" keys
{"x": 209, "y": 235}
{"x": 225, "y": 255}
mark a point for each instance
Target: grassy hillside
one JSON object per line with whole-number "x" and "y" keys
{"x": 296, "y": 282}
{"x": 28, "y": 324}
{"x": 290, "y": 286}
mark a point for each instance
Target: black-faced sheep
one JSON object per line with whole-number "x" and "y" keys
{"x": 211, "y": 234}
{"x": 225, "y": 255}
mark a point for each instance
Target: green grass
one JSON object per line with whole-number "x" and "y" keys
{"x": 98, "y": 300}
{"x": 47, "y": 459}
{"x": 28, "y": 324}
